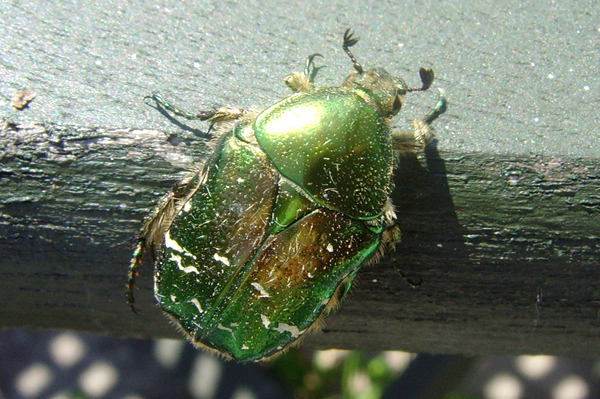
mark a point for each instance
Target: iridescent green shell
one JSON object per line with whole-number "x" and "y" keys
{"x": 332, "y": 144}
{"x": 269, "y": 235}
{"x": 255, "y": 256}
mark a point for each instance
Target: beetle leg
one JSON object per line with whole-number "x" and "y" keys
{"x": 147, "y": 239}
{"x": 298, "y": 81}
{"x": 311, "y": 73}
{"x": 439, "y": 108}
{"x": 213, "y": 117}
{"x": 155, "y": 227}
{"x": 350, "y": 41}
{"x": 391, "y": 234}
{"x": 134, "y": 265}
{"x": 421, "y": 134}
{"x": 427, "y": 76}
{"x": 222, "y": 115}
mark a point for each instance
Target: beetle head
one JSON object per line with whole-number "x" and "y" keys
{"x": 383, "y": 89}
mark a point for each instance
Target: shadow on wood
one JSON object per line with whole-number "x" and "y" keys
{"x": 506, "y": 248}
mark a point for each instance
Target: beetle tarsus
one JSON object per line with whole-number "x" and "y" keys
{"x": 303, "y": 82}
{"x": 169, "y": 107}
{"x": 421, "y": 134}
{"x": 413, "y": 283}
{"x": 311, "y": 73}
{"x": 439, "y": 108}
{"x": 427, "y": 77}
{"x": 213, "y": 117}
{"x": 138, "y": 254}
{"x": 350, "y": 41}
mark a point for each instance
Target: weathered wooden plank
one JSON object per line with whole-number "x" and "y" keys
{"x": 507, "y": 248}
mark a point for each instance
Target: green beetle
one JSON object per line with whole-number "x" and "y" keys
{"x": 267, "y": 237}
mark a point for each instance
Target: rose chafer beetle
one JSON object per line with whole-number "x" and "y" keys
{"x": 254, "y": 249}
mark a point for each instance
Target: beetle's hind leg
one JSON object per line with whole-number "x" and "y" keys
{"x": 213, "y": 117}
{"x": 304, "y": 81}
{"x": 150, "y": 238}
{"x": 421, "y": 134}
{"x": 152, "y": 235}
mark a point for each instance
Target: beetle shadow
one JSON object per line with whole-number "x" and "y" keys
{"x": 196, "y": 132}
{"x": 431, "y": 232}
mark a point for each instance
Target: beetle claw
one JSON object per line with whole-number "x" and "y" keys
{"x": 350, "y": 41}
{"x": 427, "y": 77}
{"x": 311, "y": 73}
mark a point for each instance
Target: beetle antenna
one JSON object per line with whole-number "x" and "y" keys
{"x": 427, "y": 77}
{"x": 350, "y": 41}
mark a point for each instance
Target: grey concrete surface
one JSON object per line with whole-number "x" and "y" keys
{"x": 521, "y": 77}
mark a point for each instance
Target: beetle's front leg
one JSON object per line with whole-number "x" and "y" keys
{"x": 298, "y": 81}
{"x": 421, "y": 134}
{"x": 213, "y": 117}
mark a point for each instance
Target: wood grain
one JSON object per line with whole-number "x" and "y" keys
{"x": 506, "y": 248}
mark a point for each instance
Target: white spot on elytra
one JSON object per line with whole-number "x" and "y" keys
{"x": 187, "y": 269}
{"x": 170, "y": 243}
{"x": 222, "y": 259}
{"x": 293, "y": 330}
{"x": 282, "y": 327}
{"x": 174, "y": 245}
{"x": 197, "y": 304}
{"x": 260, "y": 288}
{"x": 222, "y": 327}
{"x": 187, "y": 206}
{"x": 329, "y": 248}
{"x": 176, "y": 259}
{"x": 245, "y": 347}
{"x": 265, "y": 320}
